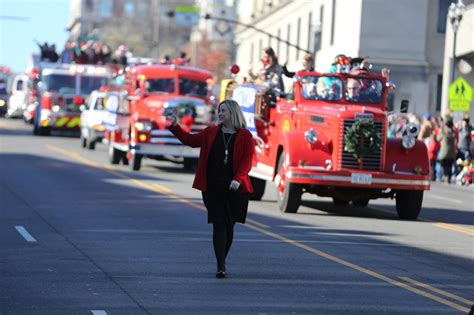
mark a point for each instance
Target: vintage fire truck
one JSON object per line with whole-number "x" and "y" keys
{"x": 61, "y": 90}
{"x": 136, "y": 118}
{"x": 328, "y": 137}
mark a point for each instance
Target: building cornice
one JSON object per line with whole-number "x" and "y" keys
{"x": 265, "y": 15}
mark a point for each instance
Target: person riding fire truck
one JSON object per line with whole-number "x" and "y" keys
{"x": 136, "y": 118}
{"x": 328, "y": 137}
{"x": 61, "y": 90}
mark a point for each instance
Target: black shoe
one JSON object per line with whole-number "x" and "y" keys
{"x": 220, "y": 274}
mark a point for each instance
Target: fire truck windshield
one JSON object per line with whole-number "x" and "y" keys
{"x": 60, "y": 83}
{"x": 321, "y": 88}
{"x": 160, "y": 86}
{"x": 91, "y": 83}
{"x": 3, "y": 86}
{"x": 359, "y": 90}
{"x": 192, "y": 87}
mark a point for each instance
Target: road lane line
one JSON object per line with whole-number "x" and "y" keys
{"x": 23, "y": 232}
{"x": 456, "y": 228}
{"x": 258, "y": 223}
{"x": 445, "y": 199}
{"x": 162, "y": 188}
{"x": 309, "y": 249}
{"x": 98, "y": 312}
{"x": 359, "y": 268}
{"x": 447, "y": 294}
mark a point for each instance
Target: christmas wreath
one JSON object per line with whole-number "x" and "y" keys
{"x": 362, "y": 139}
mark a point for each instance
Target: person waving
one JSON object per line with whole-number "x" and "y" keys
{"x": 224, "y": 163}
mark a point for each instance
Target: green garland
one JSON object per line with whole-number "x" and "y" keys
{"x": 362, "y": 139}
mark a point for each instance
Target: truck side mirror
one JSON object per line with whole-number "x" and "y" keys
{"x": 404, "y": 106}
{"x": 391, "y": 86}
{"x": 41, "y": 87}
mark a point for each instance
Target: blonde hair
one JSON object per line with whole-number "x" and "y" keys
{"x": 236, "y": 115}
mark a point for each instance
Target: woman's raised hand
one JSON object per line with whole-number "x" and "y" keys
{"x": 172, "y": 119}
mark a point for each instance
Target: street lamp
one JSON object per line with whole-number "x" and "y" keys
{"x": 455, "y": 13}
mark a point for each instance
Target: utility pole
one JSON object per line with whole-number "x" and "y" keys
{"x": 156, "y": 27}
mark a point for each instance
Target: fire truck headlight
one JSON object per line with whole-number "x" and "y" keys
{"x": 408, "y": 142}
{"x": 56, "y": 108}
{"x": 45, "y": 114}
{"x": 311, "y": 136}
{"x": 2, "y": 103}
{"x": 143, "y": 126}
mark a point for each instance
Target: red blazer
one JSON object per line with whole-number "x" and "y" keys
{"x": 242, "y": 154}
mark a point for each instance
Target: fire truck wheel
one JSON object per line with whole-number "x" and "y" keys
{"x": 44, "y": 131}
{"x": 360, "y": 202}
{"x": 83, "y": 141}
{"x": 136, "y": 162}
{"x": 339, "y": 201}
{"x": 408, "y": 203}
{"x": 114, "y": 155}
{"x": 91, "y": 144}
{"x": 258, "y": 188}
{"x": 288, "y": 194}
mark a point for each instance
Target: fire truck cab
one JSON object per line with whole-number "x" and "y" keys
{"x": 137, "y": 128}
{"x": 328, "y": 137}
{"x": 61, "y": 90}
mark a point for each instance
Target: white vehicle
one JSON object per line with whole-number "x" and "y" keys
{"x": 92, "y": 116}
{"x": 19, "y": 96}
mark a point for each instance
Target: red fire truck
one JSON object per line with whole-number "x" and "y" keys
{"x": 328, "y": 137}
{"x": 136, "y": 118}
{"x": 61, "y": 89}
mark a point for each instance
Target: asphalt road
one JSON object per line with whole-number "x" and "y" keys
{"x": 79, "y": 236}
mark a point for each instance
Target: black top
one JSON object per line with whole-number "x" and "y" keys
{"x": 219, "y": 175}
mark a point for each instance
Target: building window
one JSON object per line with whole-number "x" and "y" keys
{"x": 319, "y": 32}
{"x": 298, "y": 31}
{"x": 310, "y": 30}
{"x": 279, "y": 41}
{"x": 442, "y": 15}
{"x": 390, "y": 101}
{"x": 333, "y": 21}
{"x": 251, "y": 53}
{"x": 105, "y": 9}
{"x": 260, "y": 48}
{"x": 288, "y": 37}
{"x": 89, "y": 6}
{"x": 129, "y": 8}
{"x": 439, "y": 89}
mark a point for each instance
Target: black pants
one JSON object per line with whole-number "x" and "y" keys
{"x": 222, "y": 237}
{"x": 447, "y": 165}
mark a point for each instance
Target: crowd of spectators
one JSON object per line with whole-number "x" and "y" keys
{"x": 87, "y": 52}
{"x": 449, "y": 143}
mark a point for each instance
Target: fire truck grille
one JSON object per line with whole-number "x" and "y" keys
{"x": 370, "y": 162}
{"x": 165, "y": 137}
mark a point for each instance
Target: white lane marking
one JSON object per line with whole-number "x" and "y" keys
{"x": 98, "y": 312}
{"x": 23, "y": 232}
{"x": 446, "y": 199}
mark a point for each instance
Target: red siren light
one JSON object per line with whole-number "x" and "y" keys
{"x": 234, "y": 69}
{"x": 78, "y": 100}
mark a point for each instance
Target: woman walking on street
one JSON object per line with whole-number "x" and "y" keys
{"x": 225, "y": 160}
